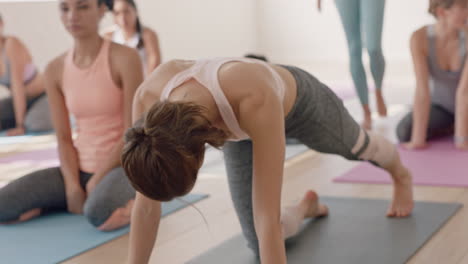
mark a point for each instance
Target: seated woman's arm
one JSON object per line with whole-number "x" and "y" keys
{"x": 461, "y": 111}
{"x": 68, "y": 155}
{"x": 422, "y": 98}
{"x": 128, "y": 66}
{"x": 15, "y": 53}
{"x": 153, "y": 52}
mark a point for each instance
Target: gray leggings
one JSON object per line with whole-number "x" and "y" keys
{"x": 318, "y": 119}
{"x": 441, "y": 123}
{"x": 37, "y": 118}
{"x": 45, "y": 189}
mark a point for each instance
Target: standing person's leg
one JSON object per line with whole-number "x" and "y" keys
{"x": 7, "y": 114}
{"x": 372, "y": 18}
{"x": 109, "y": 206}
{"x": 349, "y": 11}
{"x": 38, "y": 117}
{"x": 441, "y": 122}
{"x": 34, "y": 194}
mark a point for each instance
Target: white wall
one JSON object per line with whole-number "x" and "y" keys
{"x": 186, "y": 28}
{"x": 202, "y": 28}
{"x": 286, "y": 31}
{"x": 295, "y": 32}
{"x": 38, "y": 26}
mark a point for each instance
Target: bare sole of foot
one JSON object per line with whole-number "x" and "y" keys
{"x": 312, "y": 207}
{"x": 402, "y": 204}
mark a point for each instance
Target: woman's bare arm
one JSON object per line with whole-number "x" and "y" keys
{"x": 422, "y": 98}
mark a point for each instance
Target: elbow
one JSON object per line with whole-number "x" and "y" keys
{"x": 64, "y": 142}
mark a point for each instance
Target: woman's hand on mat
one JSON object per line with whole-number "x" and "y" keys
{"x": 76, "y": 198}
{"x": 415, "y": 145}
{"x": 17, "y": 131}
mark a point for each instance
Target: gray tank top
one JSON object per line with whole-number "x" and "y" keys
{"x": 444, "y": 84}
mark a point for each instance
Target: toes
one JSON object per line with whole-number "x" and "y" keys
{"x": 391, "y": 212}
{"x": 322, "y": 210}
{"x": 312, "y": 195}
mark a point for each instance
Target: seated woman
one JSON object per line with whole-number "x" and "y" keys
{"x": 95, "y": 81}
{"x": 132, "y": 33}
{"x": 439, "y": 58}
{"x": 249, "y": 106}
{"x": 27, "y": 108}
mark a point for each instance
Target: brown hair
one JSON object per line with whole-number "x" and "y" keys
{"x": 138, "y": 25}
{"x": 164, "y": 151}
{"x": 446, "y": 4}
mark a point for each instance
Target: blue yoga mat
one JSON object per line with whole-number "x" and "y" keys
{"x": 57, "y": 237}
{"x": 4, "y": 140}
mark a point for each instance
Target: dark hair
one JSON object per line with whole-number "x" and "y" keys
{"x": 163, "y": 152}
{"x": 138, "y": 26}
{"x": 446, "y": 4}
{"x": 256, "y": 56}
{"x": 108, "y": 3}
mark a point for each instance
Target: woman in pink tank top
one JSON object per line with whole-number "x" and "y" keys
{"x": 95, "y": 82}
{"x": 249, "y": 107}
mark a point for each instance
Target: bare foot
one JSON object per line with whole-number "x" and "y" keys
{"x": 366, "y": 124}
{"x": 462, "y": 146}
{"x": 25, "y": 216}
{"x": 311, "y": 207}
{"x": 402, "y": 203}
{"x": 381, "y": 106}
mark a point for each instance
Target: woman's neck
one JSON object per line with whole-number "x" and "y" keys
{"x": 445, "y": 32}
{"x": 128, "y": 33}
{"x": 88, "y": 47}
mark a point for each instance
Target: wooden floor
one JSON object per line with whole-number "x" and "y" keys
{"x": 184, "y": 235}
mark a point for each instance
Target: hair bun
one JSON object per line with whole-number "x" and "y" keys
{"x": 135, "y": 134}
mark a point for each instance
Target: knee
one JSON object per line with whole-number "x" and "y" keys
{"x": 403, "y": 131}
{"x": 34, "y": 124}
{"x": 96, "y": 214}
{"x": 375, "y": 53}
{"x": 379, "y": 150}
{"x": 108, "y": 218}
{"x": 7, "y": 212}
{"x": 355, "y": 50}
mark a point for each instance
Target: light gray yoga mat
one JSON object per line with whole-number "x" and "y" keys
{"x": 355, "y": 232}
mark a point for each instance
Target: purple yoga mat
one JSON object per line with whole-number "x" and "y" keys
{"x": 43, "y": 158}
{"x": 441, "y": 164}
{"x": 345, "y": 91}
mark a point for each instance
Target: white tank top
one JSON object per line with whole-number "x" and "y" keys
{"x": 206, "y": 73}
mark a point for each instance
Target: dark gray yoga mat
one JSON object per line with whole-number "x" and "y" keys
{"x": 355, "y": 232}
